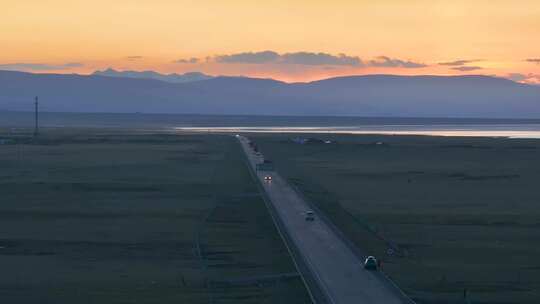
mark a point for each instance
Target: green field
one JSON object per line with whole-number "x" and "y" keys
{"x": 462, "y": 213}
{"x": 103, "y": 216}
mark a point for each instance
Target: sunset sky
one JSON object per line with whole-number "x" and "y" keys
{"x": 291, "y": 40}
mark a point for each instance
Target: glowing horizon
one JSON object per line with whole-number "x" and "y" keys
{"x": 495, "y": 37}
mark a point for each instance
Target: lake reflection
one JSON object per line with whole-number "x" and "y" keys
{"x": 509, "y": 130}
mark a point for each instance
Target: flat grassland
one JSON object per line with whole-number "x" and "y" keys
{"x": 458, "y": 213}
{"x": 103, "y": 216}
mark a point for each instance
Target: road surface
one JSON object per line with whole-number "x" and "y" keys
{"x": 333, "y": 265}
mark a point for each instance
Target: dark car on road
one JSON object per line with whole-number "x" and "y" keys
{"x": 370, "y": 263}
{"x": 310, "y": 216}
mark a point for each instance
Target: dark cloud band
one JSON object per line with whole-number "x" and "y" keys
{"x": 190, "y": 60}
{"x": 383, "y": 61}
{"x": 301, "y": 58}
{"x": 313, "y": 59}
{"x": 459, "y": 62}
{"x": 466, "y": 68}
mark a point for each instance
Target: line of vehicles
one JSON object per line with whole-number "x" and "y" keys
{"x": 370, "y": 263}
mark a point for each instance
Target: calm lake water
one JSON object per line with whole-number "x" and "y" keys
{"x": 493, "y": 130}
{"x": 514, "y": 128}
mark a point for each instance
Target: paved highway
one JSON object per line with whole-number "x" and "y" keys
{"x": 335, "y": 268}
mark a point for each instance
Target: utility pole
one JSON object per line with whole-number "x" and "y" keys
{"x": 36, "y": 127}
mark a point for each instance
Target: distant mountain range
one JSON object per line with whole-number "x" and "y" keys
{"x": 174, "y": 78}
{"x": 372, "y": 95}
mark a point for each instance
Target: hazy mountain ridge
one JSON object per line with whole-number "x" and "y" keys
{"x": 371, "y": 95}
{"x": 174, "y": 78}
